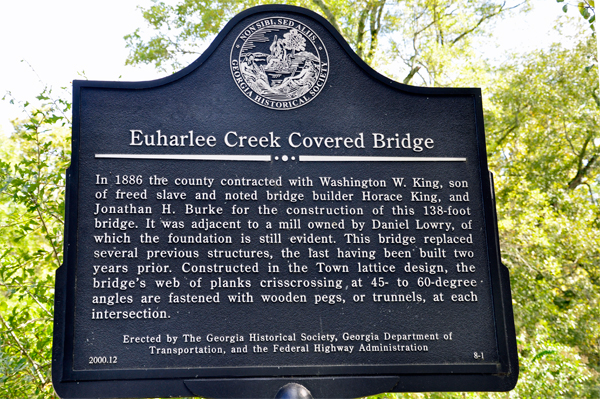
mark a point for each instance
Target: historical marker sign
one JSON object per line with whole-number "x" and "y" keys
{"x": 279, "y": 212}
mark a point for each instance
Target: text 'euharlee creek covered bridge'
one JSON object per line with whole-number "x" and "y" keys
{"x": 278, "y": 212}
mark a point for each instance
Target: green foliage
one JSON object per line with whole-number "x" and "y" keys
{"x": 543, "y": 129}
{"x": 542, "y": 122}
{"x": 423, "y": 38}
{"x": 32, "y": 165}
{"x": 586, "y": 8}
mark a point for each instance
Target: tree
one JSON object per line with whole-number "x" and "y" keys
{"x": 294, "y": 41}
{"x": 32, "y": 165}
{"x": 543, "y": 128}
{"x": 431, "y": 32}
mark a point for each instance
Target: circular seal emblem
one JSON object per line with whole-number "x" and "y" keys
{"x": 279, "y": 63}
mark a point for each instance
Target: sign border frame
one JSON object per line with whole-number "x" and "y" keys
{"x": 347, "y": 381}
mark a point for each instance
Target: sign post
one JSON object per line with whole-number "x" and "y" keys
{"x": 275, "y": 213}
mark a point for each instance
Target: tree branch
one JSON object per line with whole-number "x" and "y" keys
{"x": 23, "y": 350}
{"x": 360, "y": 31}
{"x": 410, "y": 75}
{"x": 582, "y": 170}
{"x": 376, "y": 13}
{"x": 328, "y": 14}
{"x": 481, "y": 20}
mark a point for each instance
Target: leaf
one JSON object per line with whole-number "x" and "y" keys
{"x": 542, "y": 354}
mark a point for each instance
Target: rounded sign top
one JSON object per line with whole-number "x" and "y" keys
{"x": 279, "y": 63}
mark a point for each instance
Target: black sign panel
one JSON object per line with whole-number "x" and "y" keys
{"x": 279, "y": 212}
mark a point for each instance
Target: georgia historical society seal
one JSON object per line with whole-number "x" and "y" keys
{"x": 279, "y": 63}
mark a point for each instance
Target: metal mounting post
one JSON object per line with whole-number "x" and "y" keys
{"x": 293, "y": 391}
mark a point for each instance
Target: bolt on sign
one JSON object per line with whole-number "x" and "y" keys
{"x": 279, "y": 212}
